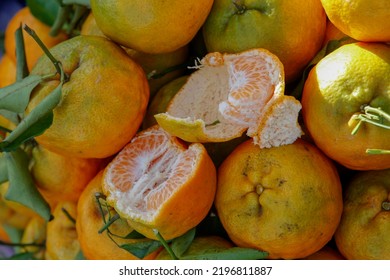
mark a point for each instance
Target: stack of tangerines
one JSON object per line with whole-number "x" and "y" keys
{"x": 272, "y": 119}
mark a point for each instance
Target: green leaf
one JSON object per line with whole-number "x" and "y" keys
{"x": 134, "y": 235}
{"x": 44, "y": 10}
{"x": 3, "y": 169}
{"x": 15, "y": 97}
{"x": 22, "y": 188}
{"x": 23, "y": 256}
{"x": 80, "y": 256}
{"x": 34, "y": 130}
{"x": 141, "y": 249}
{"x": 21, "y": 63}
{"x": 180, "y": 244}
{"x": 235, "y": 253}
{"x": 35, "y": 123}
{"x": 78, "y": 2}
{"x": 12, "y": 116}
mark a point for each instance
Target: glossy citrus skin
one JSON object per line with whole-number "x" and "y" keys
{"x": 292, "y": 30}
{"x": 89, "y": 221}
{"x": 337, "y": 87}
{"x": 151, "y": 26}
{"x": 363, "y": 20}
{"x": 151, "y": 63}
{"x": 33, "y": 51}
{"x": 284, "y": 200}
{"x": 7, "y": 71}
{"x": 102, "y": 104}
{"x": 365, "y": 224}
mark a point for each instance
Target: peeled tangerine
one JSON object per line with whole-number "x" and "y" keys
{"x": 233, "y": 93}
{"x": 158, "y": 183}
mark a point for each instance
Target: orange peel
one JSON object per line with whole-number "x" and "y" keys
{"x": 230, "y": 94}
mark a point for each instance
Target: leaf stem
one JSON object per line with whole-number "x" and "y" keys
{"x": 21, "y": 244}
{"x": 165, "y": 244}
{"x": 56, "y": 63}
{"x": 109, "y": 223}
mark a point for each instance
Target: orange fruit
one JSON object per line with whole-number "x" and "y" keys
{"x": 61, "y": 236}
{"x": 335, "y": 95}
{"x": 153, "y": 64}
{"x": 333, "y": 33}
{"x": 10, "y": 217}
{"x": 61, "y": 178}
{"x": 363, "y": 232}
{"x": 89, "y": 27}
{"x": 102, "y": 104}
{"x": 89, "y": 220}
{"x": 34, "y": 233}
{"x": 33, "y": 51}
{"x": 233, "y": 93}
{"x": 326, "y": 253}
{"x": 265, "y": 202}
{"x": 363, "y": 20}
{"x": 200, "y": 245}
{"x": 157, "y": 182}
{"x": 7, "y": 71}
{"x": 163, "y": 27}
{"x": 292, "y": 30}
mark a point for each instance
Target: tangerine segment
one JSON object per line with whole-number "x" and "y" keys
{"x": 228, "y": 95}
{"x": 157, "y": 182}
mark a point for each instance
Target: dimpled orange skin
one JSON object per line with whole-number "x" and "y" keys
{"x": 364, "y": 228}
{"x": 286, "y": 200}
{"x": 103, "y": 103}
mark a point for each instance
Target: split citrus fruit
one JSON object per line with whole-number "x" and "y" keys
{"x": 92, "y": 216}
{"x": 233, "y": 93}
{"x": 157, "y": 182}
{"x": 293, "y": 30}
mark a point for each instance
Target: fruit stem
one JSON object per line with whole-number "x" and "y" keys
{"x": 239, "y": 6}
{"x": 386, "y": 205}
{"x": 374, "y": 116}
{"x": 73, "y": 220}
{"x": 21, "y": 244}
{"x": 109, "y": 223}
{"x": 56, "y": 63}
{"x": 165, "y": 244}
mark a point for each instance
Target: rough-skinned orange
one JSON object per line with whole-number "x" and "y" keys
{"x": 343, "y": 90}
{"x": 102, "y": 104}
{"x": 264, "y": 201}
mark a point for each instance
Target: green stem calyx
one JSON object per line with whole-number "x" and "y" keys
{"x": 239, "y": 6}
{"x": 386, "y": 205}
{"x": 374, "y": 116}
